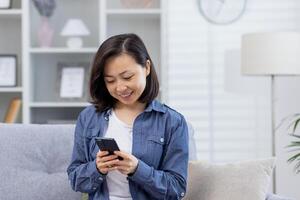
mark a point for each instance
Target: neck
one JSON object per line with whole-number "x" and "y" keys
{"x": 136, "y": 108}
{"x": 128, "y": 113}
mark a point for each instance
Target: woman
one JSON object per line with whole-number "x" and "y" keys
{"x": 153, "y": 138}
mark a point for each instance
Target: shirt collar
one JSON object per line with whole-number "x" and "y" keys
{"x": 155, "y": 105}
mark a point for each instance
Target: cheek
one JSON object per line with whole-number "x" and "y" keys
{"x": 141, "y": 83}
{"x": 109, "y": 88}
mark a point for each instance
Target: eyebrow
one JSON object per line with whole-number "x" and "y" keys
{"x": 106, "y": 75}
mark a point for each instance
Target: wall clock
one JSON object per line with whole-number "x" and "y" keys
{"x": 222, "y": 12}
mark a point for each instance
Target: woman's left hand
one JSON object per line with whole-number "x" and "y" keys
{"x": 129, "y": 163}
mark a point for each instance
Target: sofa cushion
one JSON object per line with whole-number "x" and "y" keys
{"x": 33, "y": 161}
{"x": 246, "y": 180}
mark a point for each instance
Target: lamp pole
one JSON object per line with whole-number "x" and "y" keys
{"x": 273, "y": 128}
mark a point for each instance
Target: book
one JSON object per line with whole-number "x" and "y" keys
{"x": 13, "y": 111}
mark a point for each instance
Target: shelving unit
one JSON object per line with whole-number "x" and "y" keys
{"x": 38, "y": 79}
{"x": 11, "y": 44}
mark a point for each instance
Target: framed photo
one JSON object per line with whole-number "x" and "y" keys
{"x": 8, "y": 70}
{"x": 5, "y": 4}
{"x": 72, "y": 81}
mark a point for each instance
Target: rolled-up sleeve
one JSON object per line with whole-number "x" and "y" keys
{"x": 170, "y": 181}
{"x": 83, "y": 174}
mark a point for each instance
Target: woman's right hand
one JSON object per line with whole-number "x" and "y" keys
{"x": 105, "y": 162}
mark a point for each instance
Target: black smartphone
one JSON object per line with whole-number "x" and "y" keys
{"x": 108, "y": 144}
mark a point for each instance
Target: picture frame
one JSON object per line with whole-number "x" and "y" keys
{"x": 5, "y": 4}
{"x": 72, "y": 78}
{"x": 8, "y": 70}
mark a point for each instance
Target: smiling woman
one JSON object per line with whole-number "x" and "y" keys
{"x": 152, "y": 137}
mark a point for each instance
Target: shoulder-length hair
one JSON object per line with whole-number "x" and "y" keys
{"x": 132, "y": 45}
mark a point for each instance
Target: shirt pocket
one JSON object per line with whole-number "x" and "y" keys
{"x": 155, "y": 147}
{"x": 90, "y": 139}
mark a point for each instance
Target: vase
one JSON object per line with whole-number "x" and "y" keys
{"x": 45, "y": 33}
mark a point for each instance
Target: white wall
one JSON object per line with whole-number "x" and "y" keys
{"x": 194, "y": 43}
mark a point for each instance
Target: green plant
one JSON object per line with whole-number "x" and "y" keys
{"x": 295, "y": 145}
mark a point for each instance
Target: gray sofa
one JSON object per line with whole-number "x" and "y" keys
{"x": 34, "y": 159}
{"x": 33, "y": 162}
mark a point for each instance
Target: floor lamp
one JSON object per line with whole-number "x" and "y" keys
{"x": 271, "y": 54}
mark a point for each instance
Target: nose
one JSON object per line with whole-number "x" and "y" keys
{"x": 121, "y": 87}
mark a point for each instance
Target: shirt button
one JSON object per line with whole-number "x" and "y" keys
{"x": 106, "y": 118}
{"x": 162, "y": 140}
{"x": 100, "y": 179}
{"x": 94, "y": 188}
{"x": 182, "y": 194}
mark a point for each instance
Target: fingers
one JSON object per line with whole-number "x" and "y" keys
{"x": 108, "y": 164}
{"x": 102, "y": 153}
{"x": 122, "y": 154}
{"x": 105, "y": 162}
{"x": 108, "y": 158}
{"x": 129, "y": 163}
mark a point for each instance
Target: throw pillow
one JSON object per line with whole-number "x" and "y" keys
{"x": 246, "y": 180}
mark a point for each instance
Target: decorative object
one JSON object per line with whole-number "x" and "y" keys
{"x": 222, "y": 12}
{"x": 137, "y": 3}
{"x": 8, "y": 68}
{"x": 271, "y": 54}
{"x": 74, "y": 28}
{"x": 5, "y": 4}
{"x": 72, "y": 79}
{"x": 45, "y": 31}
{"x": 228, "y": 181}
{"x": 13, "y": 111}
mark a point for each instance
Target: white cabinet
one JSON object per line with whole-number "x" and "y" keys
{"x": 38, "y": 75}
{"x": 11, "y": 44}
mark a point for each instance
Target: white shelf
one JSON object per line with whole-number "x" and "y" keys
{"x": 11, "y": 13}
{"x": 39, "y": 69}
{"x": 10, "y": 89}
{"x": 61, "y": 50}
{"x": 58, "y": 104}
{"x": 133, "y": 11}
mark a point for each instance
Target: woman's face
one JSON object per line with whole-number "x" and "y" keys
{"x": 125, "y": 79}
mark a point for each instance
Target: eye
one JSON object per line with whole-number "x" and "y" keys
{"x": 109, "y": 80}
{"x": 127, "y": 77}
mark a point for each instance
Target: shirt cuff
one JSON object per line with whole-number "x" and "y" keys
{"x": 95, "y": 174}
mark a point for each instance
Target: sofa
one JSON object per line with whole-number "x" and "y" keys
{"x": 34, "y": 159}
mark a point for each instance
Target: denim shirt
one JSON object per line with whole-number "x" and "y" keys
{"x": 160, "y": 143}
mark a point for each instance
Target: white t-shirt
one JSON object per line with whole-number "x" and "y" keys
{"x": 117, "y": 182}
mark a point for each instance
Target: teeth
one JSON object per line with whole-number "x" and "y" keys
{"x": 125, "y": 95}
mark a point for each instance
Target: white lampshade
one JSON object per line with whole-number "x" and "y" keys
{"x": 75, "y": 27}
{"x": 275, "y": 53}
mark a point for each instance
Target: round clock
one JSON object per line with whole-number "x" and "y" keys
{"x": 222, "y": 11}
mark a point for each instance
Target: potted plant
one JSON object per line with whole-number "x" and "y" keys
{"x": 294, "y": 145}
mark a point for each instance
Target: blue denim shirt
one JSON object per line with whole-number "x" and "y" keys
{"x": 160, "y": 143}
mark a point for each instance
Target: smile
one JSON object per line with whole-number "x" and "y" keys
{"x": 125, "y": 95}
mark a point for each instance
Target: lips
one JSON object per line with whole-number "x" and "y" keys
{"x": 125, "y": 95}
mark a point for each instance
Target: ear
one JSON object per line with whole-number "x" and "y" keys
{"x": 148, "y": 67}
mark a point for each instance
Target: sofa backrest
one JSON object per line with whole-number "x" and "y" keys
{"x": 33, "y": 161}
